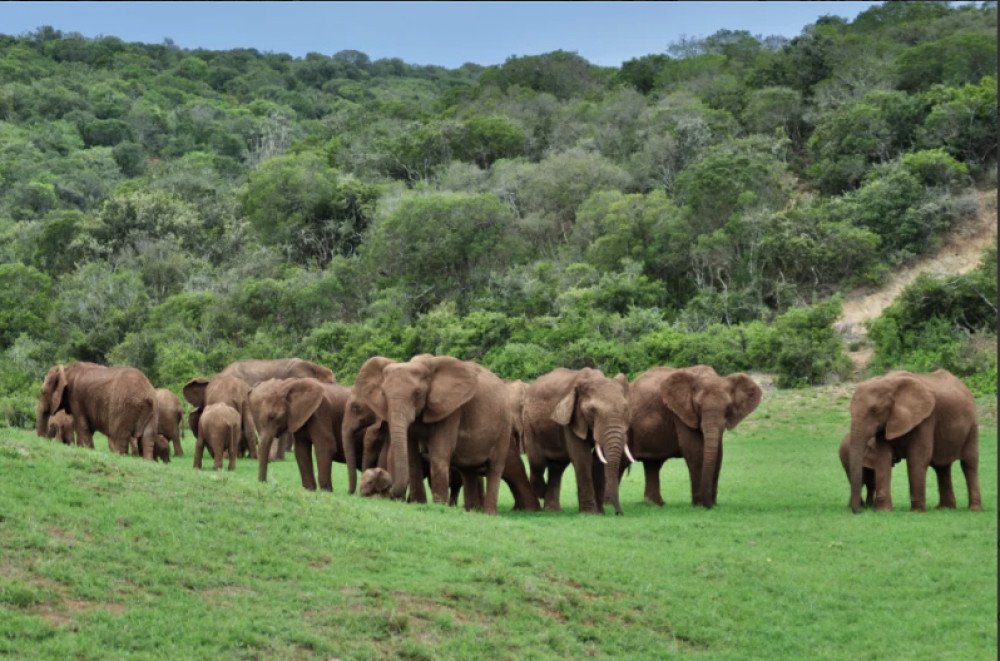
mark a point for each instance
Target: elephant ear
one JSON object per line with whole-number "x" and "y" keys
{"x": 194, "y": 391}
{"x": 453, "y": 383}
{"x": 677, "y": 392}
{"x": 57, "y": 375}
{"x": 566, "y": 414}
{"x": 912, "y": 405}
{"x": 746, "y": 398}
{"x": 302, "y": 398}
{"x": 622, "y": 380}
{"x": 369, "y": 385}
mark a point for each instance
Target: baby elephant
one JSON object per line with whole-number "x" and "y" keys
{"x": 161, "y": 448}
{"x": 376, "y": 482}
{"x": 61, "y": 427}
{"x": 219, "y": 428}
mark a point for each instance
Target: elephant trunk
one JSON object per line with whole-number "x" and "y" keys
{"x": 710, "y": 465}
{"x": 263, "y": 453}
{"x": 855, "y": 461}
{"x": 350, "y": 454}
{"x": 613, "y": 445}
{"x": 400, "y": 419}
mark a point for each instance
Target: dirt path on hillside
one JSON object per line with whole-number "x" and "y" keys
{"x": 960, "y": 252}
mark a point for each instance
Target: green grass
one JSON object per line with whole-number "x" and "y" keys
{"x": 106, "y": 557}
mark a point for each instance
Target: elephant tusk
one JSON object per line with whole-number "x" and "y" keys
{"x": 600, "y": 454}
{"x": 628, "y": 454}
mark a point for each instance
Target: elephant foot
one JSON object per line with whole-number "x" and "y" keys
{"x": 654, "y": 500}
{"x": 917, "y": 506}
{"x": 553, "y": 507}
{"x": 946, "y": 506}
{"x": 976, "y": 507}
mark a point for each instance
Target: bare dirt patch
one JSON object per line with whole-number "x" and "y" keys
{"x": 961, "y": 251}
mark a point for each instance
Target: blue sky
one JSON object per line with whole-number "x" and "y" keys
{"x": 447, "y": 34}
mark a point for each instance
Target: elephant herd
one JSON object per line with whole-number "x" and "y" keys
{"x": 462, "y": 427}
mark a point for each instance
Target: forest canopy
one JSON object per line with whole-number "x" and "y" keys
{"x": 177, "y": 209}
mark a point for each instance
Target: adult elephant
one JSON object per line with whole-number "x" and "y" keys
{"x": 170, "y": 412}
{"x": 312, "y": 412}
{"x": 258, "y": 371}
{"x": 570, "y": 415}
{"x": 119, "y": 402}
{"x": 683, "y": 413}
{"x": 201, "y": 393}
{"x": 456, "y": 409}
{"x": 928, "y": 418}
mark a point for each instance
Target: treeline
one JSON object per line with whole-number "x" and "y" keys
{"x": 179, "y": 209}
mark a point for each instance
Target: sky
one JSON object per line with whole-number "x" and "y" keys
{"x": 447, "y": 34}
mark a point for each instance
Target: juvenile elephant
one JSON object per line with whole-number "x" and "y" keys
{"x": 223, "y": 389}
{"x": 514, "y": 474}
{"x": 376, "y": 482}
{"x": 456, "y": 409}
{"x": 170, "y": 413}
{"x": 868, "y": 473}
{"x": 161, "y": 449}
{"x": 218, "y": 429}
{"x": 362, "y": 429}
{"x": 570, "y": 415}
{"x": 683, "y": 413}
{"x": 930, "y": 419}
{"x": 258, "y": 371}
{"x": 309, "y": 410}
{"x": 119, "y": 402}
{"x": 60, "y": 427}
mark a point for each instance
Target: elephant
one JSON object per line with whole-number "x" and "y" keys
{"x": 568, "y": 415}
{"x": 362, "y": 428}
{"x": 930, "y": 419}
{"x": 868, "y": 473}
{"x": 119, "y": 402}
{"x": 170, "y": 413}
{"x": 683, "y": 413}
{"x": 257, "y": 371}
{"x": 376, "y": 482}
{"x": 225, "y": 389}
{"x": 61, "y": 427}
{"x": 312, "y": 412}
{"x": 457, "y": 410}
{"x": 514, "y": 474}
{"x": 161, "y": 448}
{"x": 219, "y": 429}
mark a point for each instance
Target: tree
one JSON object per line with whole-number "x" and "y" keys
{"x": 25, "y": 301}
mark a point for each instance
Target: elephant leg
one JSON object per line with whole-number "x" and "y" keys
{"x": 199, "y": 451}
{"x": 868, "y": 480}
{"x": 456, "y": 482}
{"x": 517, "y": 481}
{"x": 324, "y": 463}
{"x": 946, "y": 491}
{"x": 473, "y": 488}
{"x": 715, "y": 477}
{"x": 970, "y": 468}
{"x": 882, "y": 468}
{"x": 598, "y": 478}
{"x": 552, "y": 486}
{"x": 234, "y": 444}
{"x": 219, "y": 450}
{"x": 418, "y": 493}
{"x": 694, "y": 474}
{"x": 303, "y": 457}
{"x": 441, "y": 441}
{"x": 583, "y": 464}
{"x": 133, "y": 444}
{"x": 918, "y": 459}
{"x": 651, "y": 469}
{"x": 175, "y": 439}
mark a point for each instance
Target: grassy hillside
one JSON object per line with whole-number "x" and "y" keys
{"x": 105, "y": 557}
